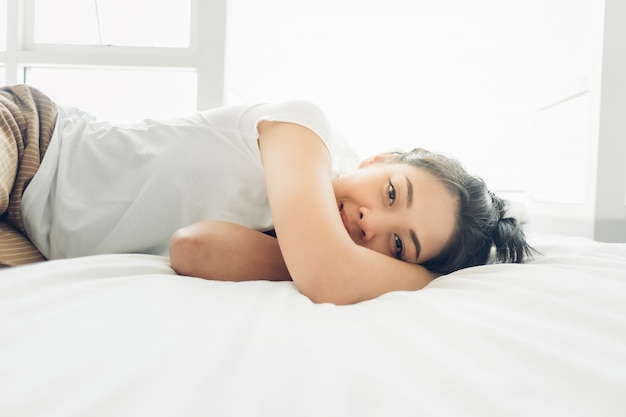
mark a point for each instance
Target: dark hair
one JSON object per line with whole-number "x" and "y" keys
{"x": 483, "y": 231}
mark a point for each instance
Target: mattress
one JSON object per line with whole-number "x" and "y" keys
{"x": 123, "y": 335}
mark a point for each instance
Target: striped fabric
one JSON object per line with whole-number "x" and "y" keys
{"x": 27, "y": 119}
{"x": 15, "y": 248}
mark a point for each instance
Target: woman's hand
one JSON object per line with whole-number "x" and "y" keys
{"x": 226, "y": 252}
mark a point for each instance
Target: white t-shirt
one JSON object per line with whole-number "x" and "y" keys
{"x": 112, "y": 188}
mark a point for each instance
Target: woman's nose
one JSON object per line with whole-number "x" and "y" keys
{"x": 367, "y": 224}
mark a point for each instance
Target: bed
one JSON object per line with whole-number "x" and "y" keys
{"x": 123, "y": 335}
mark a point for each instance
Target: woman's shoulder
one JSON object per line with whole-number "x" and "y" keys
{"x": 301, "y": 112}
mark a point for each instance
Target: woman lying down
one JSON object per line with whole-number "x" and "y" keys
{"x": 214, "y": 188}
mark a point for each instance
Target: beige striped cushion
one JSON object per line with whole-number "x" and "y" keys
{"x": 15, "y": 248}
{"x": 27, "y": 119}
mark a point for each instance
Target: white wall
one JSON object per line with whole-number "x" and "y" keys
{"x": 578, "y": 170}
{"x": 610, "y": 217}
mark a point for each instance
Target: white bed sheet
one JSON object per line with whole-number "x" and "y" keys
{"x": 122, "y": 335}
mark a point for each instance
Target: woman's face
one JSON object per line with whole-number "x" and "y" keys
{"x": 396, "y": 209}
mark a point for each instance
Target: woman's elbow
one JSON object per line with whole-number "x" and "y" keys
{"x": 318, "y": 296}
{"x": 184, "y": 250}
{"x": 321, "y": 291}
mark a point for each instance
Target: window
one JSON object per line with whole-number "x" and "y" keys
{"x": 3, "y": 40}
{"x": 3, "y": 24}
{"x": 163, "y": 23}
{"x": 119, "y": 94}
{"x": 120, "y": 59}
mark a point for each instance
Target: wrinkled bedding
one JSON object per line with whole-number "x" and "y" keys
{"x": 27, "y": 120}
{"x": 122, "y": 335}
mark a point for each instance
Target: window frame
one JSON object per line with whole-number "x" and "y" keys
{"x": 205, "y": 54}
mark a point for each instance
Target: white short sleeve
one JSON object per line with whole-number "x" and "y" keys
{"x": 301, "y": 112}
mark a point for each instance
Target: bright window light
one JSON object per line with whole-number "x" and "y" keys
{"x": 394, "y": 75}
{"x": 448, "y": 75}
{"x": 3, "y": 25}
{"x": 147, "y": 23}
{"x": 3, "y": 76}
{"x": 119, "y": 95}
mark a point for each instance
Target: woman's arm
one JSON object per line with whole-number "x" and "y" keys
{"x": 226, "y": 252}
{"x": 323, "y": 261}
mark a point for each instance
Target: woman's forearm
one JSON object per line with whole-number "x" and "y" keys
{"x": 325, "y": 263}
{"x": 226, "y": 252}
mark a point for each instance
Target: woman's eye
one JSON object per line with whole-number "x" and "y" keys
{"x": 391, "y": 193}
{"x": 398, "y": 246}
